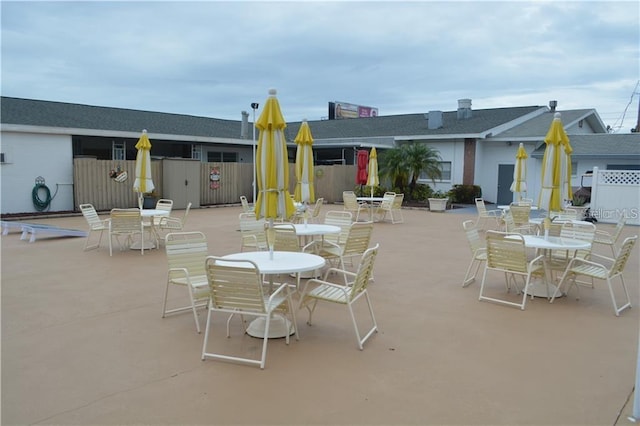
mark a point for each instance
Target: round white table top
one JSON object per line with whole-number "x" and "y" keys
{"x": 314, "y": 229}
{"x": 154, "y": 212}
{"x": 283, "y": 262}
{"x": 505, "y": 207}
{"x": 370, "y": 199}
{"x": 554, "y": 243}
{"x": 539, "y": 220}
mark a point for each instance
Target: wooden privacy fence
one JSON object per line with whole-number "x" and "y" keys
{"x": 94, "y": 185}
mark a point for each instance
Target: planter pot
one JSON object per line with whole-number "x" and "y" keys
{"x": 581, "y": 211}
{"x": 149, "y": 203}
{"x": 438, "y": 204}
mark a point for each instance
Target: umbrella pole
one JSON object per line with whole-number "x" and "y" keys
{"x": 140, "y": 200}
{"x": 271, "y": 236}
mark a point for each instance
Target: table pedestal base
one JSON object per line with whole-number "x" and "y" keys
{"x": 279, "y": 327}
{"x": 539, "y": 289}
{"x": 137, "y": 245}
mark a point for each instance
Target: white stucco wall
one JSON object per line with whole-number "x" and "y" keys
{"x": 28, "y": 156}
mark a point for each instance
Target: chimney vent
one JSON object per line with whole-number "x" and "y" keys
{"x": 434, "y": 119}
{"x": 553, "y": 105}
{"x": 244, "y": 126}
{"x": 464, "y": 109}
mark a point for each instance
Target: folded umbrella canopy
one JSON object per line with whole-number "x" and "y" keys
{"x": 363, "y": 160}
{"x": 304, "y": 192}
{"x": 272, "y": 168}
{"x": 556, "y": 168}
{"x": 519, "y": 184}
{"x": 373, "y": 179}
{"x": 143, "y": 183}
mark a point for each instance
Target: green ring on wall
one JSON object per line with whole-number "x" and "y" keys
{"x": 319, "y": 173}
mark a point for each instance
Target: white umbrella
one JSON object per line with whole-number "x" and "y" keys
{"x": 519, "y": 184}
{"x": 144, "y": 181}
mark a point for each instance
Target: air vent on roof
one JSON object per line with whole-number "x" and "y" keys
{"x": 464, "y": 109}
{"x": 435, "y": 119}
{"x": 553, "y": 105}
{"x": 244, "y": 126}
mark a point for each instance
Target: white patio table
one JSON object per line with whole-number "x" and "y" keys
{"x": 371, "y": 201}
{"x": 149, "y": 214}
{"x": 283, "y": 262}
{"x": 307, "y": 230}
{"x": 547, "y": 244}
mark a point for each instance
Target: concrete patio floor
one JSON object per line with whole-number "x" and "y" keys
{"x": 83, "y": 342}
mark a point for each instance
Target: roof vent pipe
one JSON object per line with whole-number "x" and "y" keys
{"x": 434, "y": 119}
{"x": 464, "y": 109}
{"x": 553, "y": 105}
{"x": 244, "y": 126}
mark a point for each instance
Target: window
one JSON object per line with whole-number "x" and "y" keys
{"x": 445, "y": 168}
{"x": 196, "y": 152}
{"x": 574, "y": 168}
{"x": 222, "y": 157}
{"x": 118, "y": 150}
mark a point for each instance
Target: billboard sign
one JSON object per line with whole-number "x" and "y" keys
{"x": 340, "y": 110}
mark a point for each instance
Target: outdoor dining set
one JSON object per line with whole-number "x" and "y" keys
{"x": 548, "y": 254}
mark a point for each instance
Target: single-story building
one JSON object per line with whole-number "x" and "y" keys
{"x": 41, "y": 139}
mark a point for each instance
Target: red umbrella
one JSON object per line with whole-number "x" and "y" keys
{"x": 363, "y": 161}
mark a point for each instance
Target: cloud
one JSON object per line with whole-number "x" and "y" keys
{"x": 215, "y": 58}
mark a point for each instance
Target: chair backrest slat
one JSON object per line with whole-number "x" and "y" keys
{"x": 623, "y": 256}
{"x": 235, "y": 285}
{"x": 506, "y": 251}
{"x": 187, "y": 250}
{"x": 90, "y": 214}
{"x": 365, "y": 270}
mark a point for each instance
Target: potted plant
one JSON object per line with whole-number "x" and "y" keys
{"x": 438, "y": 201}
{"x": 150, "y": 200}
{"x": 579, "y": 204}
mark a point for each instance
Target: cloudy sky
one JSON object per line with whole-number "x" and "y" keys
{"x": 213, "y": 58}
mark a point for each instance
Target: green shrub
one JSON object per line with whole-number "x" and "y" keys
{"x": 465, "y": 194}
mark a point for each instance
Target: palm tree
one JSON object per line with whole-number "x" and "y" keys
{"x": 392, "y": 166}
{"x": 421, "y": 158}
{"x": 405, "y": 164}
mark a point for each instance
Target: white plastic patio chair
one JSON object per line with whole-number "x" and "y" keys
{"x": 246, "y": 208}
{"x": 95, "y": 224}
{"x": 236, "y": 288}
{"x": 484, "y": 214}
{"x": 506, "y": 253}
{"x": 173, "y": 223}
{"x": 351, "y": 204}
{"x": 125, "y": 223}
{"x": 346, "y": 294}
{"x": 583, "y": 267}
{"x": 478, "y": 251}
{"x": 186, "y": 255}
{"x": 610, "y": 239}
{"x": 253, "y": 236}
{"x": 355, "y": 244}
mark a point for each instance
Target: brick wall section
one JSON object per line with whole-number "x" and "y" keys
{"x": 469, "y": 169}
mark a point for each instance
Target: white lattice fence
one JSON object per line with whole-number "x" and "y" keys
{"x": 615, "y": 193}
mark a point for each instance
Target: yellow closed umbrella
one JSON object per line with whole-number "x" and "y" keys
{"x": 556, "y": 168}
{"x": 304, "y": 192}
{"x": 143, "y": 183}
{"x": 519, "y": 184}
{"x": 272, "y": 168}
{"x": 372, "y": 178}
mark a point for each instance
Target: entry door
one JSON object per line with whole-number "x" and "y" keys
{"x": 505, "y": 179}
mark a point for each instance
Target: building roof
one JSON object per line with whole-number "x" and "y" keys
{"x": 511, "y": 124}
{"x": 30, "y": 112}
{"x": 408, "y": 125}
{"x": 609, "y": 145}
{"x": 539, "y": 125}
